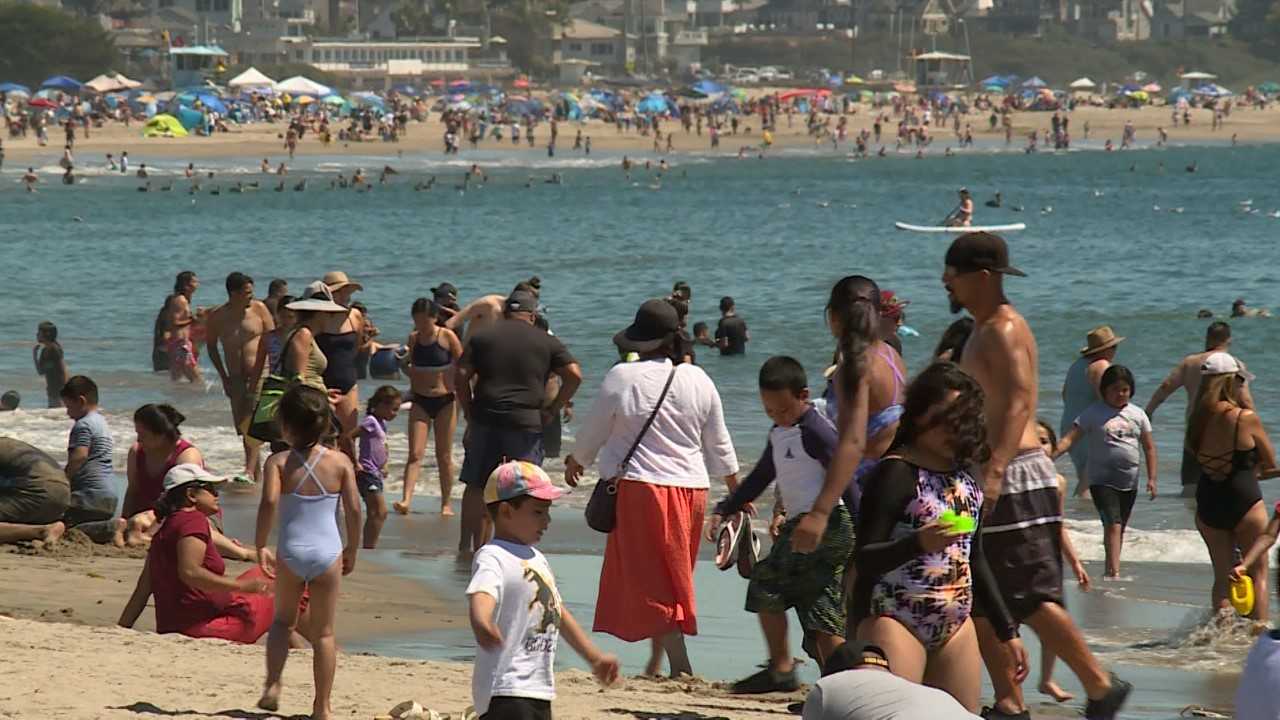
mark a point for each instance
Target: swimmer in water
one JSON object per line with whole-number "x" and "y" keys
{"x": 30, "y": 179}
{"x": 191, "y": 170}
{"x": 994, "y": 202}
{"x": 358, "y": 179}
{"x": 282, "y": 169}
{"x": 1240, "y": 309}
{"x": 266, "y": 166}
{"x": 142, "y": 170}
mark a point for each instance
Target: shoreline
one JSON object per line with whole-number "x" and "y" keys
{"x": 265, "y": 140}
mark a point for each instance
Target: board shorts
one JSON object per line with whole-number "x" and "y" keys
{"x": 517, "y": 708}
{"x": 243, "y": 394}
{"x": 1114, "y": 506}
{"x": 487, "y": 447}
{"x": 812, "y": 583}
{"x": 1022, "y": 539}
{"x": 367, "y": 482}
{"x": 182, "y": 354}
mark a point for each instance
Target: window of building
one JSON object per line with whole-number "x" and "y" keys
{"x": 202, "y": 5}
{"x": 298, "y": 55}
{"x": 601, "y": 49}
{"x": 166, "y": 3}
{"x": 221, "y": 5}
{"x": 575, "y": 47}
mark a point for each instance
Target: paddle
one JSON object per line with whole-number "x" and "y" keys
{"x": 950, "y": 216}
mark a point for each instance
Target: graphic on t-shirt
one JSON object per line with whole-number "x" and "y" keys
{"x": 1120, "y": 429}
{"x": 546, "y": 595}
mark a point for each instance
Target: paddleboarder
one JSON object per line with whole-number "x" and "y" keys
{"x": 962, "y": 216}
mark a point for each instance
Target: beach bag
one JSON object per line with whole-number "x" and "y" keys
{"x": 263, "y": 426}
{"x": 602, "y": 508}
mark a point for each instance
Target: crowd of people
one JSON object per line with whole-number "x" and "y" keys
{"x": 917, "y": 520}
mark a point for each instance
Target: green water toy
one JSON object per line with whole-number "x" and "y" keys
{"x": 959, "y": 523}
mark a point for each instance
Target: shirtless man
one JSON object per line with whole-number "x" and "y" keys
{"x": 1186, "y": 375}
{"x": 1021, "y": 509}
{"x": 239, "y": 326}
{"x": 482, "y": 311}
{"x": 183, "y": 361}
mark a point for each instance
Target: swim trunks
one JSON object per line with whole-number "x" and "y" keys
{"x": 1023, "y": 535}
{"x": 243, "y": 394}
{"x": 812, "y": 583}
{"x": 182, "y": 354}
{"x": 1114, "y": 506}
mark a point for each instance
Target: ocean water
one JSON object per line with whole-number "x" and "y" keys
{"x": 1128, "y": 239}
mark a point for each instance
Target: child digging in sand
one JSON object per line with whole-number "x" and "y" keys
{"x": 516, "y": 612}
{"x": 1049, "y": 441}
{"x": 306, "y": 483}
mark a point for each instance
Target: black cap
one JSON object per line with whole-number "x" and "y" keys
{"x": 522, "y": 301}
{"x": 655, "y": 321}
{"x": 445, "y": 290}
{"x": 976, "y": 251}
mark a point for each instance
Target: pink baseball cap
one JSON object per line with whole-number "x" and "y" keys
{"x": 519, "y": 477}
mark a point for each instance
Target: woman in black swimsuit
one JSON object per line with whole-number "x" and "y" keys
{"x": 434, "y": 351}
{"x": 1234, "y": 453}
{"x": 339, "y": 340}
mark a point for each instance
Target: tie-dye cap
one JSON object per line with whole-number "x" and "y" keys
{"x": 516, "y": 478}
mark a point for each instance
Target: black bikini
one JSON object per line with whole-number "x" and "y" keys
{"x": 1223, "y": 501}
{"x": 431, "y": 357}
{"x": 340, "y": 350}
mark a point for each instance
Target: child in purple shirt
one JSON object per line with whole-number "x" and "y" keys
{"x": 371, "y": 471}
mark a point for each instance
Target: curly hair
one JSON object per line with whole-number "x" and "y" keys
{"x": 965, "y": 415}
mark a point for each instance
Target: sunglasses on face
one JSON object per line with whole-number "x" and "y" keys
{"x": 209, "y": 488}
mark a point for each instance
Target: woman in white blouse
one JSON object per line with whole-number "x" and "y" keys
{"x": 646, "y": 585}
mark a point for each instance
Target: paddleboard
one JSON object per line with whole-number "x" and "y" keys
{"x": 959, "y": 229}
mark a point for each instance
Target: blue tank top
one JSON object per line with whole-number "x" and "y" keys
{"x": 1077, "y": 394}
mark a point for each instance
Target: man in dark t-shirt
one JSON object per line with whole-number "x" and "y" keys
{"x": 501, "y": 386}
{"x": 731, "y": 334}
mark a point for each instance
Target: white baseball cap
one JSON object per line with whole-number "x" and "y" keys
{"x": 180, "y": 475}
{"x": 1221, "y": 363}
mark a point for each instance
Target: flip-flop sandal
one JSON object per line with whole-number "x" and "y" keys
{"x": 748, "y": 548}
{"x": 727, "y": 541}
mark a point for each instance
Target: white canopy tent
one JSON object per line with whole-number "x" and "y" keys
{"x": 1197, "y": 75}
{"x": 251, "y": 78}
{"x": 112, "y": 82}
{"x": 298, "y": 85}
{"x": 1083, "y": 83}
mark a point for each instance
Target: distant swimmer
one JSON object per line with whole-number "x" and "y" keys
{"x": 280, "y": 187}
{"x": 555, "y": 179}
{"x": 626, "y": 165}
{"x": 421, "y": 186}
{"x": 282, "y": 170}
{"x": 1192, "y": 167}
{"x": 167, "y": 187}
{"x": 217, "y": 190}
{"x": 237, "y": 188}
{"x": 994, "y": 202}
{"x": 67, "y": 177}
{"x": 477, "y": 173}
{"x": 142, "y": 170}
{"x": 266, "y": 166}
{"x": 144, "y": 188}
{"x": 300, "y": 186}
{"x": 1240, "y": 309}
{"x": 358, "y": 178}
{"x": 191, "y": 170}
{"x": 388, "y": 170}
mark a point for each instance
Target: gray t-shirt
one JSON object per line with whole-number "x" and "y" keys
{"x": 94, "y": 485}
{"x": 871, "y": 694}
{"x": 1113, "y": 435}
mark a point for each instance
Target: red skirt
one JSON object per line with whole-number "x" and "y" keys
{"x": 247, "y": 618}
{"x": 646, "y": 585}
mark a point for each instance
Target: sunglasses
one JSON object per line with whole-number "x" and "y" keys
{"x": 208, "y": 487}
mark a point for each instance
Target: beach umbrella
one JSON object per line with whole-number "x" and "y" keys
{"x": 1196, "y": 75}
{"x": 15, "y": 89}
{"x": 853, "y": 80}
{"x": 1034, "y": 82}
{"x": 995, "y": 81}
{"x": 1083, "y": 83}
{"x": 521, "y": 82}
{"x": 1152, "y": 88}
{"x": 144, "y": 99}
{"x": 41, "y": 102}
{"x": 63, "y": 83}
{"x": 708, "y": 87}
{"x": 653, "y": 103}
{"x": 164, "y": 125}
{"x": 460, "y": 86}
{"x": 738, "y": 94}
{"x": 406, "y": 89}
{"x": 1139, "y": 95}
{"x": 1268, "y": 87}
{"x": 904, "y": 87}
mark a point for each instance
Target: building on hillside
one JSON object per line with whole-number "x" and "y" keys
{"x": 189, "y": 66}
{"x": 211, "y": 20}
{"x": 379, "y": 64}
{"x": 806, "y": 15}
{"x": 1108, "y": 21}
{"x": 662, "y": 32}
{"x": 581, "y": 46}
{"x": 1191, "y": 19}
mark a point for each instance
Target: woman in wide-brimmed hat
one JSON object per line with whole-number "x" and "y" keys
{"x": 1080, "y": 390}
{"x": 339, "y": 335}
{"x": 646, "y": 585}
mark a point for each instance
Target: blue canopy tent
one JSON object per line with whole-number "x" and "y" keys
{"x": 406, "y": 89}
{"x": 189, "y": 118}
{"x": 709, "y": 87}
{"x": 63, "y": 83}
{"x": 725, "y": 104}
{"x": 208, "y": 100}
{"x": 1034, "y": 82}
{"x": 1211, "y": 90}
{"x": 15, "y": 87}
{"x": 652, "y": 104}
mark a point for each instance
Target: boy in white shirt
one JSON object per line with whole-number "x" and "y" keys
{"x": 516, "y": 611}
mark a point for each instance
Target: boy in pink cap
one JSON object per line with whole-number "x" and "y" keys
{"x": 516, "y": 612}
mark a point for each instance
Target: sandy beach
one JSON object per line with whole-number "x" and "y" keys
{"x": 54, "y": 634}
{"x": 266, "y": 140}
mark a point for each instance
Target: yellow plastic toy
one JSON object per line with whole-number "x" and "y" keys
{"x": 1242, "y": 595}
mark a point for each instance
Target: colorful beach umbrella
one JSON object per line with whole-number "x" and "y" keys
{"x": 43, "y": 103}
{"x": 14, "y": 88}
{"x": 63, "y": 83}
